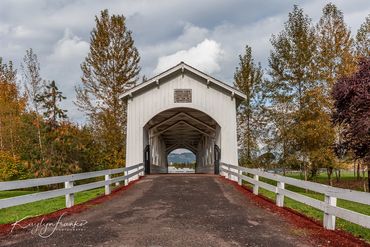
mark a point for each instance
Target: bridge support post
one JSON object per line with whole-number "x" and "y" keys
{"x": 329, "y": 219}
{"x": 70, "y": 198}
{"x": 279, "y": 196}
{"x": 107, "y": 186}
{"x": 255, "y": 186}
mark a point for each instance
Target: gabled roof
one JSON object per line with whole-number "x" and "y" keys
{"x": 210, "y": 81}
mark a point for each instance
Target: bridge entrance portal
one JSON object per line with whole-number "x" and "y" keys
{"x": 185, "y": 128}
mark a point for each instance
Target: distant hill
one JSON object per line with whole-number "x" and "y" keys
{"x": 186, "y": 158}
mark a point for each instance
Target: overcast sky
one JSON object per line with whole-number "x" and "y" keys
{"x": 207, "y": 34}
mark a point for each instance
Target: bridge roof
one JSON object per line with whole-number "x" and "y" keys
{"x": 209, "y": 80}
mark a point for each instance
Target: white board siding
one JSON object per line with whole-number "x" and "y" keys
{"x": 218, "y": 105}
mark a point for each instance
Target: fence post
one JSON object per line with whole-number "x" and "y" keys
{"x": 226, "y": 171}
{"x": 125, "y": 183}
{"x": 279, "y": 196}
{"x": 255, "y": 186}
{"x": 70, "y": 198}
{"x": 138, "y": 173}
{"x": 229, "y": 173}
{"x": 240, "y": 172}
{"x": 142, "y": 172}
{"x": 107, "y": 186}
{"x": 329, "y": 219}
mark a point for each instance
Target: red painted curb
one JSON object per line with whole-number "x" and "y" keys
{"x": 317, "y": 235}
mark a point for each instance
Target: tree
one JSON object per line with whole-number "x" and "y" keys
{"x": 109, "y": 70}
{"x": 293, "y": 74}
{"x": 33, "y": 85}
{"x": 28, "y": 149}
{"x": 56, "y": 135}
{"x": 291, "y": 61}
{"x": 315, "y": 135}
{"x": 11, "y": 167}
{"x": 363, "y": 39}
{"x": 352, "y": 109}
{"x": 266, "y": 160}
{"x": 335, "y": 58}
{"x": 87, "y": 152}
{"x": 49, "y": 102}
{"x": 278, "y": 135}
{"x": 248, "y": 79}
{"x": 66, "y": 147}
{"x": 12, "y": 104}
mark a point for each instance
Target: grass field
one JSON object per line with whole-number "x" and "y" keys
{"x": 356, "y": 230}
{"x": 12, "y": 214}
{"x": 346, "y": 181}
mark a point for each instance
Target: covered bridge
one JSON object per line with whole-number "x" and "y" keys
{"x": 182, "y": 108}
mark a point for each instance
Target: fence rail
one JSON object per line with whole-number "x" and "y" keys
{"x": 69, "y": 189}
{"x": 328, "y": 206}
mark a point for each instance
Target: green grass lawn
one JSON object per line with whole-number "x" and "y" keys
{"x": 347, "y": 180}
{"x": 12, "y": 214}
{"x": 356, "y": 230}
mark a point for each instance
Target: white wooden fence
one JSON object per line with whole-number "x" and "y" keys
{"x": 328, "y": 206}
{"x": 69, "y": 188}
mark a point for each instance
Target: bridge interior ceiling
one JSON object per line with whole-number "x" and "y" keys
{"x": 182, "y": 128}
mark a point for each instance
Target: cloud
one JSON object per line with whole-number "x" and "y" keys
{"x": 22, "y": 32}
{"x": 192, "y": 33}
{"x": 204, "y": 56}
{"x": 4, "y": 29}
{"x": 69, "y": 47}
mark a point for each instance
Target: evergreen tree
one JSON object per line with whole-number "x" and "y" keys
{"x": 248, "y": 79}
{"x": 363, "y": 39}
{"x": 56, "y": 135}
{"x": 109, "y": 70}
{"x": 49, "y": 100}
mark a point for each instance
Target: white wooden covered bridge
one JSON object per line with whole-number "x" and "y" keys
{"x": 182, "y": 108}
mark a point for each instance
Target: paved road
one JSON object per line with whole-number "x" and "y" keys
{"x": 170, "y": 210}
